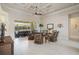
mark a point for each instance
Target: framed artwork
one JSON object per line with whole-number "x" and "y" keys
{"x": 50, "y": 26}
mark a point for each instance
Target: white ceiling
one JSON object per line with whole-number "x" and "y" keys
{"x": 44, "y": 8}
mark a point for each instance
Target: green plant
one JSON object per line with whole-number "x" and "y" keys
{"x": 40, "y": 25}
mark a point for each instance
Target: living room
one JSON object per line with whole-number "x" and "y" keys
{"x": 31, "y": 25}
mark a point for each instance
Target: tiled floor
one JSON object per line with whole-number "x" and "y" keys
{"x": 24, "y": 47}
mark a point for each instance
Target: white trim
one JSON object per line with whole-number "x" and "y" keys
{"x": 69, "y": 10}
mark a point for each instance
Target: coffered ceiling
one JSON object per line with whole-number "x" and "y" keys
{"x": 44, "y": 8}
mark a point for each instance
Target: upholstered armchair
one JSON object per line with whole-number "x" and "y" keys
{"x": 38, "y": 38}
{"x": 54, "y": 36}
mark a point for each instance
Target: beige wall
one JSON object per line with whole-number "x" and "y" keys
{"x": 4, "y": 19}
{"x": 58, "y": 19}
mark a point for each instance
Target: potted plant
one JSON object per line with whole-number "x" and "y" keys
{"x": 40, "y": 25}
{"x": 2, "y": 32}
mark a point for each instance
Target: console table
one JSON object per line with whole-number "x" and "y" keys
{"x": 7, "y": 48}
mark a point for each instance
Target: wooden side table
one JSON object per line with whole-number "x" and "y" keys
{"x": 7, "y": 48}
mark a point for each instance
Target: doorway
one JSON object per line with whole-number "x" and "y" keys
{"x": 23, "y": 29}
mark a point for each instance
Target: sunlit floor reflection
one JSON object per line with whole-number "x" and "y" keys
{"x": 23, "y": 46}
